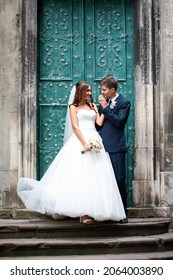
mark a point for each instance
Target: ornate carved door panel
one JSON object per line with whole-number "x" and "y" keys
{"x": 80, "y": 40}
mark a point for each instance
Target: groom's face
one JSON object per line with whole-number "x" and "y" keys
{"x": 108, "y": 92}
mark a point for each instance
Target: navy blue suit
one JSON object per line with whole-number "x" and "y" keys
{"x": 112, "y": 133}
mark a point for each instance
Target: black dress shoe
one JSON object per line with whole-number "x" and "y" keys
{"x": 124, "y": 221}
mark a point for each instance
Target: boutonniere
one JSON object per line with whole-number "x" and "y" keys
{"x": 113, "y": 104}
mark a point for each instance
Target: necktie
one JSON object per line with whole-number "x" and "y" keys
{"x": 110, "y": 101}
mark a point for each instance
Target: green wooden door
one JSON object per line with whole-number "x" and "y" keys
{"x": 80, "y": 40}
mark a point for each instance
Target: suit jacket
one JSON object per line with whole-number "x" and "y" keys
{"x": 112, "y": 131}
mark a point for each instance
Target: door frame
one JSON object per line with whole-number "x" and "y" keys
{"x": 145, "y": 76}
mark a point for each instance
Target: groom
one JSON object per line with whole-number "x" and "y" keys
{"x": 116, "y": 110}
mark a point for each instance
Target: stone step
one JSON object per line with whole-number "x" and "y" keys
{"x": 71, "y": 228}
{"x": 166, "y": 255}
{"x": 86, "y": 246}
{"x": 47, "y": 237}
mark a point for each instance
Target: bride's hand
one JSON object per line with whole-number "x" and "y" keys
{"x": 86, "y": 148}
{"x": 94, "y": 107}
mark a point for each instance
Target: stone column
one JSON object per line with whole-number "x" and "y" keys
{"x": 9, "y": 89}
{"x": 27, "y": 102}
{"x": 146, "y": 184}
{"x": 166, "y": 102}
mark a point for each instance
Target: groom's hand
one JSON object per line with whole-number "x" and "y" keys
{"x": 102, "y": 101}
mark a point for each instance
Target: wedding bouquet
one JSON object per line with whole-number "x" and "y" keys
{"x": 95, "y": 146}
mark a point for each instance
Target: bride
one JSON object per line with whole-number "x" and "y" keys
{"x": 80, "y": 181}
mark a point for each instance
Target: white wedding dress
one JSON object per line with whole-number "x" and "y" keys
{"x": 76, "y": 184}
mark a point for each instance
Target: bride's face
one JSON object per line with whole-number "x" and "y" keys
{"x": 87, "y": 94}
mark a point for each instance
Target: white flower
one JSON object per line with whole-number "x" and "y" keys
{"x": 94, "y": 145}
{"x": 114, "y": 103}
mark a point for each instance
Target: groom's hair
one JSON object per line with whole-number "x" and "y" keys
{"x": 110, "y": 82}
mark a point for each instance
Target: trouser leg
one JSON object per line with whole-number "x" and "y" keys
{"x": 118, "y": 163}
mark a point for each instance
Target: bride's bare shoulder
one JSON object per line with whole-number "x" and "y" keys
{"x": 73, "y": 108}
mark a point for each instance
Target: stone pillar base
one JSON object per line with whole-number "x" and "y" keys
{"x": 22, "y": 214}
{"x": 150, "y": 212}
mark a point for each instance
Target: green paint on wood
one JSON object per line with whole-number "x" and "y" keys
{"x": 81, "y": 40}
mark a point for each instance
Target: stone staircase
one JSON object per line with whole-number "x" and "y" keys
{"x": 149, "y": 238}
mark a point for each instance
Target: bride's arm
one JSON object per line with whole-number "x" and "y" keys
{"x": 76, "y": 129}
{"x": 99, "y": 118}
